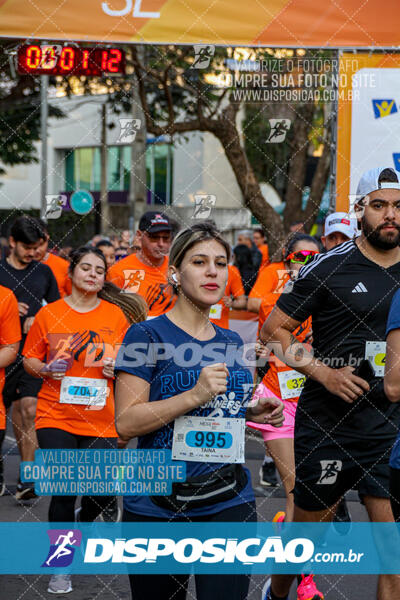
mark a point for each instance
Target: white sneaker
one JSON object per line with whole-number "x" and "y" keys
{"x": 60, "y": 584}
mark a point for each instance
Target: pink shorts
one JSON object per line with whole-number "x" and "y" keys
{"x": 269, "y": 432}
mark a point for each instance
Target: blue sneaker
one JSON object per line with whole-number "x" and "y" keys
{"x": 343, "y": 517}
{"x": 266, "y": 591}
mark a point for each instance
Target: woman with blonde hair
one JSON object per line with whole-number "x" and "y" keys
{"x": 197, "y": 390}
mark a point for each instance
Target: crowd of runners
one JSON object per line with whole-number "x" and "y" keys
{"x": 321, "y": 397}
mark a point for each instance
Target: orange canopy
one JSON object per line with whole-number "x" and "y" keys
{"x": 332, "y": 23}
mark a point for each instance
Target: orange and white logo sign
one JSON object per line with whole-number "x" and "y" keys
{"x": 132, "y": 280}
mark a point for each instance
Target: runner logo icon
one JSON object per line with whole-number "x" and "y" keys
{"x": 278, "y": 131}
{"x": 62, "y": 547}
{"x": 54, "y": 205}
{"x": 133, "y": 279}
{"x": 329, "y": 471}
{"x": 283, "y": 278}
{"x": 203, "y": 55}
{"x": 128, "y": 129}
{"x": 204, "y": 205}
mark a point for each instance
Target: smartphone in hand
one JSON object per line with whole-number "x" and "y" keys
{"x": 365, "y": 370}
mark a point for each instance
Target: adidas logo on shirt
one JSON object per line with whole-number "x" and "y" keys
{"x": 360, "y": 287}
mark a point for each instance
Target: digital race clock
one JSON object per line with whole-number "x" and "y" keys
{"x": 55, "y": 59}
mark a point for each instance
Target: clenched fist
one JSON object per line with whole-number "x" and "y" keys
{"x": 212, "y": 381}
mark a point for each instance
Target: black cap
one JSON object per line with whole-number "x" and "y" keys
{"x": 153, "y": 222}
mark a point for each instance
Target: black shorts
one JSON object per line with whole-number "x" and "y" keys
{"x": 327, "y": 467}
{"x": 19, "y": 384}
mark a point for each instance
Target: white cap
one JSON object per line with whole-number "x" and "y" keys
{"x": 341, "y": 221}
{"x": 369, "y": 182}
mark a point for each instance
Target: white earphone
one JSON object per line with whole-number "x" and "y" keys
{"x": 173, "y": 277}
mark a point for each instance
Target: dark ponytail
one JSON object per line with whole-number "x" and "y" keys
{"x": 133, "y": 306}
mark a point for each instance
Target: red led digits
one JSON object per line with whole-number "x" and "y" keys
{"x": 33, "y": 56}
{"x": 85, "y": 59}
{"x": 113, "y": 63}
{"x": 52, "y": 59}
{"x": 66, "y": 61}
{"x": 104, "y": 56}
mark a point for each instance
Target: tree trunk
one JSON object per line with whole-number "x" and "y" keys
{"x": 226, "y": 131}
{"x": 318, "y": 184}
{"x": 302, "y": 118}
{"x": 221, "y": 122}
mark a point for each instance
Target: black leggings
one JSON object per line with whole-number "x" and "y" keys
{"x": 395, "y": 493}
{"x": 208, "y": 587}
{"x": 62, "y": 508}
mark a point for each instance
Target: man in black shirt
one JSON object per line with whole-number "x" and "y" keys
{"x": 246, "y": 238}
{"x": 345, "y": 426}
{"x": 32, "y": 282}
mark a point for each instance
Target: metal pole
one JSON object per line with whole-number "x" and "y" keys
{"x": 334, "y": 124}
{"x": 44, "y": 112}
{"x": 137, "y": 184}
{"x": 104, "y": 208}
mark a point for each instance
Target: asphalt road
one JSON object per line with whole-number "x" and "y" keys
{"x": 116, "y": 587}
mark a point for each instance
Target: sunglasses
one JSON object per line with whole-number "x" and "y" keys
{"x": 301, "y": 257}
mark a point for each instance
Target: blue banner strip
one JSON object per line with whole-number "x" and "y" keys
{"x": 214, "y": 548}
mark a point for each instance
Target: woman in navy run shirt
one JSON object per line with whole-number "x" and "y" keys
{"x": 392, "y": 391}
{"x": 179, "y": 374}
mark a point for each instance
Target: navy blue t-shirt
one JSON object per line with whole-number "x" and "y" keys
{"x": 140, "y": 355}
{"x": 394, "y": 323}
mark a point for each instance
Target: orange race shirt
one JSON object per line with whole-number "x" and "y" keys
{"x": 10, "y": 333}
{"x": 133, "y": 276}
{"x": 270, "y": 283}
{"x": 219, "y": 313}
{"x": 274, "y": 365}
{"x": 84, "y": 340}
{"x": 59, "y": 267}
{"x": 265, "y": 254}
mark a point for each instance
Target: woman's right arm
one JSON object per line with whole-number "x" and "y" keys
{"x": 136, "y": 416}
{"x": 34, "y": 366}
{"x": 35, "y": 350}
{"x": 392, "y": 367}
{"x": 54, "y": 370}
